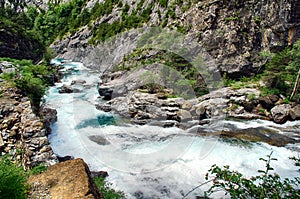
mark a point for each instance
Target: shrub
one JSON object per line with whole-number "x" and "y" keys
{"x": 12, "y": 180}
{"x": 106, "y": 191}
{"x": 33, "y": 87}
{"x": 281, "y": 72}
{"x": 265, "y": 185}
{"x": 31, "y": 79}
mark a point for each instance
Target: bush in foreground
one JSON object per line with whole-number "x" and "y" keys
{"x": 12, "y": 180}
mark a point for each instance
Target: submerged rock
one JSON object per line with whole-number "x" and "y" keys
{"x": 80, "y": 81}
{"x": 66, "y": 89}
{"x": 99, "y": 140}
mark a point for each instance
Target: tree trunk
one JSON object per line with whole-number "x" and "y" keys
{"x": 296, "y": 85}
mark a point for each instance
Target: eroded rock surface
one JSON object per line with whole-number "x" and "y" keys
{"x": 67, "y": 180}
{"x": 231, "y": 32}
{"x": 24, "y": 135}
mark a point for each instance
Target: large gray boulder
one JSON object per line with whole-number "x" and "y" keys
{"x": 280, "y": 113}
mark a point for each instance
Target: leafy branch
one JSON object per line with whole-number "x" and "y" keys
{"x": 265, "y": 185}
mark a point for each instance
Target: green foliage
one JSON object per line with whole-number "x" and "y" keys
{"x": 12, "y": 180}
{"x": 49, "y": 54}
{"x": 106, "y": 191}
{"x": 177, "y": 73}
{"x": 33, "y": 86}
{"x": 252, "y": 97}
{"x": 282, "y": 70}
{"x": 265, "y": 185}
{"x": 163, "y": 3}
{"x": 231, "y": 18}
{"x": 8, "y": 76}
{"x": 31, "y": 79}
{"x": 136, "y": 19}
{"x": 60, "y": 19}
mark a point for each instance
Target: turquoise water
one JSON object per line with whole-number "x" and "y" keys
{"x": 150, "y": 161}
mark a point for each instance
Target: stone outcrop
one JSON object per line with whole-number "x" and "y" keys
{"x": 68, "y": 180}
{"x": 23, "y": 134}
{"x": 145, "y": 108}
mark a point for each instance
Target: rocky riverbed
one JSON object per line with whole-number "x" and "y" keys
{"x": 125, "y": 97}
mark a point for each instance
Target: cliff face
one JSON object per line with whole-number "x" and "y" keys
{"x": 23, "y": 134}
{"x": 14, "y": 43}
{"x": 233, "y": 32}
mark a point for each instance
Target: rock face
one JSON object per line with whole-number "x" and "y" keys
{"x": 68, "y": 180}
{"x": 23, "y": 134}
{"x": 232, "y": 32}
{"x": 14, "y": 44}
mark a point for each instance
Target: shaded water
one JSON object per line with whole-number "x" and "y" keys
{"x": 150, "y": 161}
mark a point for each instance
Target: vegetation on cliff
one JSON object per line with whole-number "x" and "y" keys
{"x": 280, "y": 75}
{"x": 31, "y": 79}
{"x": 18, "y": 39}
{"x": 12, "y": 180}
{"x": 106, "y": 190}
{"x": 63, "y": 19}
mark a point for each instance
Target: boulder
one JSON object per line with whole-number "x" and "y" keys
{"x": 99, "y": 139}
{"x": 64, "y": 158}
{"x": 105, "y": 92}
{"x": 295, "y": 112}
{"x": 280, "y": 113}
{"x": 104, "y": 107}
{"x": 71, "y": 179}
{"x": 214, "y": 107}
{"x": 266, "y": 103}
{"x": 274, "y": 98}
{"x": 80, "y": 81}
{"x": 66, "y": 89}
{"x": 48, "y": 115}
{"x": 249, "y": 106}
{"x": 184, "y": 115}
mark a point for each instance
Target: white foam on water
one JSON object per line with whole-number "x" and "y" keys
{"x": 151, "y": 161}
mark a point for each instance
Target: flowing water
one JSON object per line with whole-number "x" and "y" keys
{"x": 150, "y": 161}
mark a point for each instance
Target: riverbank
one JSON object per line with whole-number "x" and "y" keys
{"x": 23, "y": 133}
{"x": 124, "y": 95}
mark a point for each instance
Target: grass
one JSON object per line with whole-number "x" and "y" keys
{"x": 106, "y": 190}
{"x": 12, "y": 180}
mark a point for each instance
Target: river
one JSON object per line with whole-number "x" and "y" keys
{"x": 150, "y": 161}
